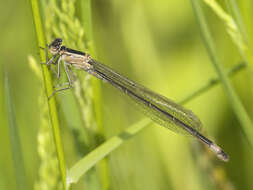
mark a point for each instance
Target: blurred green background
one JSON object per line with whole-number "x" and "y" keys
{"x": 158, "y": 44}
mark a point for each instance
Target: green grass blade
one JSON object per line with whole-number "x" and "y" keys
{"x": 15, "y": 139}
{"x": 82, "y": 166}
{"x": 49, "y": 89}
{"x": 103, "y": 150}
{"x": 234, "y": 100}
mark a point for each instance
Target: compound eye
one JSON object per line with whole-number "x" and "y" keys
{"x": 56, "y": 43}
{"x": 55, "y": 46}
{"x": 58, "y": 40}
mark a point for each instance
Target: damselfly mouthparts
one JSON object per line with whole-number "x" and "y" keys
{"x": 160, "y": 109}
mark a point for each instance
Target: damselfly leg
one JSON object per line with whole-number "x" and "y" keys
{"x": 49, "y": 62}
{"x": 56, "y": 60}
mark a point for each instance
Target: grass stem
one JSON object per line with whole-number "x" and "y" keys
{"x": 53, "y": 114}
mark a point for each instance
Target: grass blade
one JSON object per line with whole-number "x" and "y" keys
{"x": 82, "y": 166}
{"x": 49, "y": 89}
{"x": 15, "y": 140}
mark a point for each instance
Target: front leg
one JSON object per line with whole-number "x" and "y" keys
{"x": 51, "y": 60}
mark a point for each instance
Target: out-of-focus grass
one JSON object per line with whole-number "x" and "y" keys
{"x": 13, "y": 130}
{"x": 158, "y": 44}
{"x": 236, "y": 104}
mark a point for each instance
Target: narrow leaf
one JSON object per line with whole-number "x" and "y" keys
{"x": 15, "y": 140}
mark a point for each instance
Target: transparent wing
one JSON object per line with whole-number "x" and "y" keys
{"x": 159, "y": 108}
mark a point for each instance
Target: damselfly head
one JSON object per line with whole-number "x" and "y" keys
{"x": 55, "y": 46}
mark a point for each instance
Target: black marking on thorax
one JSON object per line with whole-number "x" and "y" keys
{"x": 74, "y": 51}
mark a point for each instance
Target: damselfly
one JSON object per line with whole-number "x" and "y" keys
{"x": 160, "y": 109}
